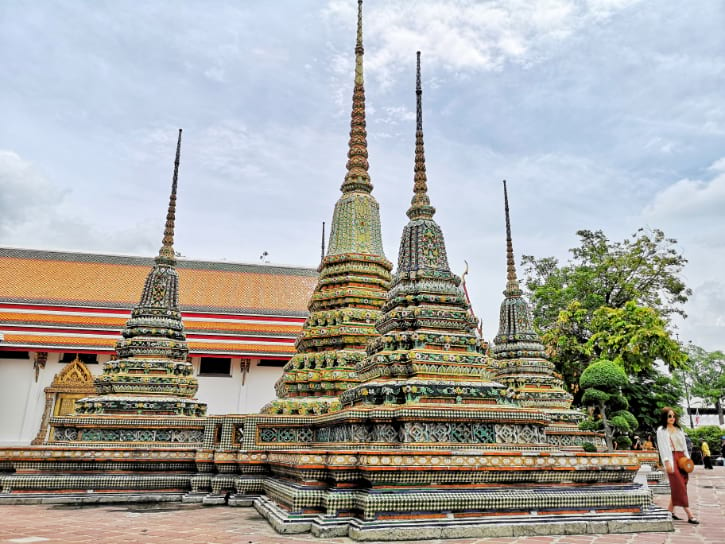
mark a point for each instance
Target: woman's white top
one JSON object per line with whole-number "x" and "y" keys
{"x": 665, "y": 447}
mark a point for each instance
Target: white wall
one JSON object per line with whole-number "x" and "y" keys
{"x": 22, "y": 399}
{"x": 16, "y": 387}
{"x": 260, "y": 385}
{"x": 227, "y": 394}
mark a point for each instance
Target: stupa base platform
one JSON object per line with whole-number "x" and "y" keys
{"x": 445, "y": 525}
{"x": 56, "y": 474}
{"x": 386, "y": 495}
{"x": 88, "y": 498}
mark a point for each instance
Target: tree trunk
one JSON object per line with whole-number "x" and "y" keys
{"x": 607, "y": 430}
{"x": 718, "y": 407}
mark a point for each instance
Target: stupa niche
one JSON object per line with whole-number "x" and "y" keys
{"x": 354, "y": 276}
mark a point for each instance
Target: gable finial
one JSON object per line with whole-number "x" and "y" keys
{"x": 420, "y": 207}
{"x": 512, "y": 282}
{"x": 166, "y": 253}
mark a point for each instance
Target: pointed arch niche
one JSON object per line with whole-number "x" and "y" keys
{"x": 74, "y": 382}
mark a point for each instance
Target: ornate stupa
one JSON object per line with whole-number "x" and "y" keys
{"x": 151, "y": 376}
{"x": 354, "y": 276}
{"x": 520, "y": 362}
{"x": 426, "y": 445}
{"x": 429, "y": 351}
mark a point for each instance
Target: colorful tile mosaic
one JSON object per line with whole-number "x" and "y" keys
{"x": 152, "y": 376}
{"x": 520, "y": 362}
{"x": 354, "y": 276}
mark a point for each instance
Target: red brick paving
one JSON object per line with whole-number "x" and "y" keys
{"x": 192, "y": 524}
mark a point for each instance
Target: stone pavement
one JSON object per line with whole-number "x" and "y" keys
{"x": 194, "y": 524}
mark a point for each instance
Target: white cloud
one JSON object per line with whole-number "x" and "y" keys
{"x": 718, "y": 165}
{"x": 33, "y": 214}
{"x": 462, "y": 35}
{"x": 691, "y": 200}
{"x": 24, "y": 192}
{"x": 705, "y": 324}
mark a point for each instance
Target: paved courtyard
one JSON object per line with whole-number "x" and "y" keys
{"x": 192, "y": 524}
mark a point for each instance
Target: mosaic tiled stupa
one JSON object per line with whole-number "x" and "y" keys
{"x": 426, "y": 445}
{"x": 422, "y": 445}
{"x": 428, "y": 351}
{"x": 151, "y": 378}
{"x": 520, "y": 361}
{"x": 354, "y": 276}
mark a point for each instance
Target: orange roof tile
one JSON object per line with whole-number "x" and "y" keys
{"x": 108, "y": 280}
{"x": 80, "y": 301}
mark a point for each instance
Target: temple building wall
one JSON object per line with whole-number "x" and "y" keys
{"x": 249, "y": 386}
{"x": 244, "y": 316}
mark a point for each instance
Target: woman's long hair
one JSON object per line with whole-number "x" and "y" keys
{"x": 663, "y": 417}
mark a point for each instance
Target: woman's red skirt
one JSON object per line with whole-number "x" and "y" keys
{"x": 678, "y": 483}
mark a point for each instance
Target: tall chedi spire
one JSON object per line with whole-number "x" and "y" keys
{"x": 354, "y": 276}
{"x": 151, "y": 375}
{"x": 520, "y": 360}
{"x": 428, "y": 351}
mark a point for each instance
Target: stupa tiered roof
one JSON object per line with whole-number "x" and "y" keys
{"x": 354, "y": 276}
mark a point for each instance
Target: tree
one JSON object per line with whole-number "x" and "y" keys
{"x": 633, "y": 337}
{"x": 644, "y": 268}
{"x": 647, "y": 393}
{"x": 602, "y": 382}
{"x": 711, "y": 434}
{"x": 706, "y": 372}
{"x": 611, "y": 300}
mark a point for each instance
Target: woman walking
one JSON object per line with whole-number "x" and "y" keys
{"x": 672, "y": 446}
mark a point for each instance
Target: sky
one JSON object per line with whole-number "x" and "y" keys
{"x": 600, "y": 114}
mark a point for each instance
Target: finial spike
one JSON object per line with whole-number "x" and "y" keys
{"x": 359, "y": 50}
{"x": 322, "y": 256}
{"x": 420, "y": 207}
{"x": 166, "y": 253}
{"x": 512, "y": 282}
{"x": 357, "y": 177}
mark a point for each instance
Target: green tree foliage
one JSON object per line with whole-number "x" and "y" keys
{"x": 611, "y": 300}
{"x": 643, "y": 268}
{"x": 602, "y": 383}
{"x": 711, "y": 433}
{"x": 706, "y": 371}
{"x": 633, "y": 337}
{"x": 647, "y": 393}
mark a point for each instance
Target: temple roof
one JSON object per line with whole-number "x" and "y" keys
{"x": 87, "y": 279}
{"x": 80, "y": 301}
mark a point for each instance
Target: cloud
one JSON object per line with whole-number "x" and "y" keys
{"x": 461, "y": 35}
{"x": 705, "y": 324}
{"x": 24, "y": 192}
{"x": 34, "y": 213}
{"x": 694, "y": 206}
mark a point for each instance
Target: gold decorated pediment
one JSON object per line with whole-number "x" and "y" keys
{"x": 76, "y": 376}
